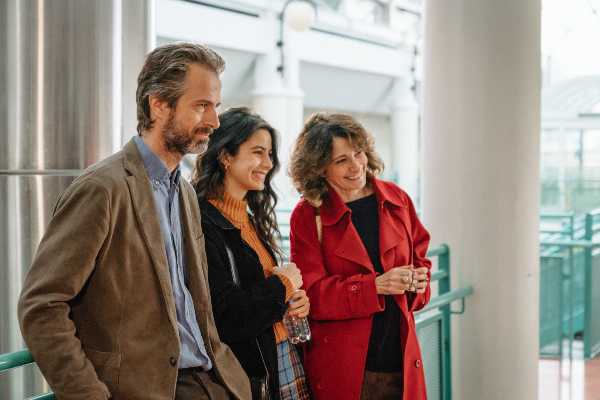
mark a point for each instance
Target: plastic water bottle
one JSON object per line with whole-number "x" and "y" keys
{"x": 297, "y": 328}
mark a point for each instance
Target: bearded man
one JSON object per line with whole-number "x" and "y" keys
{"x": 116, "y": 304}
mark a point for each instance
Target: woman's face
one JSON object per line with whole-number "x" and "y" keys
{"x": 248, "y": 169}
{"x": 347, "y": 170}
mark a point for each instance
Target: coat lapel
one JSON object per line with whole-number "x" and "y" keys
{"x": 352, "y": 248}
{"x": 145, "y": 212}
{"x": 392, "y": 224}
{"x": 335, "y": 217}
{"x": 390, "y": 234}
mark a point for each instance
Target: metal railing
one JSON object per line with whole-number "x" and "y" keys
{"x": 19, "y": 359}
{"x": 434, "y": 327}
{"x": 569, "y": 277}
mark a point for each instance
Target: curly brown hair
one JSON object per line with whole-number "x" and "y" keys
{"x": 313, "y": 148}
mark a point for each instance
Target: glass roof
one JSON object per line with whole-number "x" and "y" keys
{"x": 573, "y": 98}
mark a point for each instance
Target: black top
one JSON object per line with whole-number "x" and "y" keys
{"x": 246, "y": 313}
{"x": 385, "y": 346}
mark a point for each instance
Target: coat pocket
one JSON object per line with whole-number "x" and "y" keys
{"x": 107, "y": 366}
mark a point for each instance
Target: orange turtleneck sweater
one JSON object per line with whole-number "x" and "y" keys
{"x": 236, "y": 212}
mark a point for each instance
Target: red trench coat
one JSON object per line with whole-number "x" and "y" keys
{"x": 340, "y": 281}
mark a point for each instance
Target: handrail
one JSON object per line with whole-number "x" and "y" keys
{"x": 15, "y": 359}
{"x": 570, "y": 243}
{"x": 45, "y": 396}
{"x": 557, "y": 214}
{"x": 447, "y": 298}
{"x": 438, "y": 251}
{"x": 438, "y": 275}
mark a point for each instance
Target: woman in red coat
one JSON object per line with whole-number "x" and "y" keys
{"x": 361, "y": 249}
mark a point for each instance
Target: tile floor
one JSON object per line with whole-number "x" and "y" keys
{"x": 569, "y": 380}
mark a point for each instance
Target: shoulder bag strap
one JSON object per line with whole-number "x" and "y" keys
{"x": 236, "y": 280}
{"x": 319, "y": 224}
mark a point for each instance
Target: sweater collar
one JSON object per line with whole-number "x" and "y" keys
{"x": 215, "y": 216}
{"x": 236, "y": 211}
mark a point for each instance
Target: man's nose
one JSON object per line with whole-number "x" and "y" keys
{"x": 211, "y": 118}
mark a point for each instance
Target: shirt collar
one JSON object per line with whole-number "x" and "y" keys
{"x": 155, "y": 167}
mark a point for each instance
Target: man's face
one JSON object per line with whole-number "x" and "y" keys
{"x": 195, "y": 116}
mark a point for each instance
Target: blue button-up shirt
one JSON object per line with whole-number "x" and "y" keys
{"x": 165, "y": 187}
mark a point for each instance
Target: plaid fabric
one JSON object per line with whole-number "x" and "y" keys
{"x": 292, "y": 382}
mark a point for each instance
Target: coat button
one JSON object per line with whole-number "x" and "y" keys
{"x": 353, "y": 288}
{"x": 173, "y": 361}
{"x": 418, "y": 363}
{"x": 325, "y": 340}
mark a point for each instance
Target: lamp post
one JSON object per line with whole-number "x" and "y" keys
{"x": 300, "y": 15}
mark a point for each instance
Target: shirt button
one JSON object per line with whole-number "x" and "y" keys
{"x": 418, "y": 363}
{"x": 173, "y": 361}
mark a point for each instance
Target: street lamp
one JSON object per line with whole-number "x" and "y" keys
{"x": 299, "y": 15}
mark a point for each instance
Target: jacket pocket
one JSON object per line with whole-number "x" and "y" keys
{"x": 107, "y": 366}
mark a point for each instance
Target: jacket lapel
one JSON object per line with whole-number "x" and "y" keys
{"x": 352, "y": 248}
{"x": 390, "y": 235}
{"x": 393, "y": 228}
{"x": 335, "y": 217}
{"x": 145, "y": 212}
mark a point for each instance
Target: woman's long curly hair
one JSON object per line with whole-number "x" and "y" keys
{"x": 237, "y": 126}
{"x": 313, "y": 148}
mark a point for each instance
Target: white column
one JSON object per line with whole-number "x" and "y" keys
{"x": 138, "y": 39}
{"x": 481, "y": 184}
{"x": 405, "y": 137}
{"x": 281, "y": 103}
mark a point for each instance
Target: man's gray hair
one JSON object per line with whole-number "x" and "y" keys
{"x": 163, "y": 75}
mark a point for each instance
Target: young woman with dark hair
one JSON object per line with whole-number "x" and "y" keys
{"x": 237, "y": 201}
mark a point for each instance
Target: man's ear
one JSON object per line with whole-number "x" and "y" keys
{"x": 159, "y": 109}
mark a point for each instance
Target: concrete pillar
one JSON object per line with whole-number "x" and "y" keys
{"x": 481, "y": 184}
{"x": 405, "y": 137}
{"x": 137, "y": 40}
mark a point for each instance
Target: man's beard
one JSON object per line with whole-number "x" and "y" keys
{"x": 182, "y": 142}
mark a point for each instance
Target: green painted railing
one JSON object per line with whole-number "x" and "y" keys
{"x": 433, "y": 328}
{"x": 569, "y": 282}
{"x": 19, "y": 359}
{"x": 14, "y": 360}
